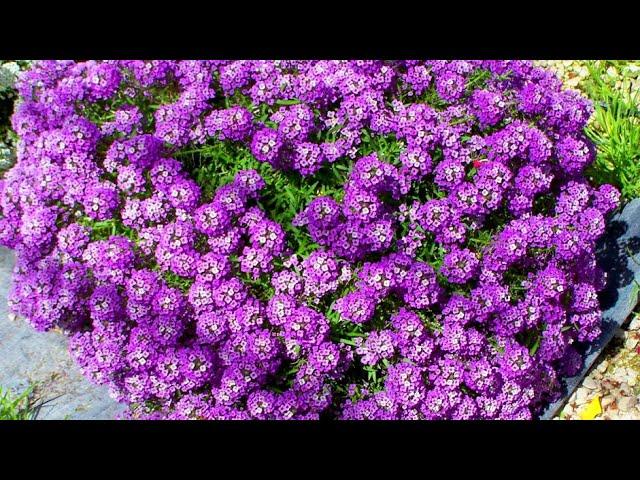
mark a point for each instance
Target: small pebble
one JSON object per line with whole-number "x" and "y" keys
{"x": 625, "y": 389}
{"x": 606, "y": 401}
{"x": 602, "y": 366}
{"x": 620, "y": 374}
{"x": 626, "y": 403}
{"x": 633, "y": 69}
{"x": 581, "y": 395}
{"x": 590, "y": 383}
{"x": 631, "y": 343}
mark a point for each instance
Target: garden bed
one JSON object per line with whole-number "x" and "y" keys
{"x": 316, "y": 239}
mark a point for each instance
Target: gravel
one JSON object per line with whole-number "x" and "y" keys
{"x": 613, "y": 379}
{"x": 625, "y": 76}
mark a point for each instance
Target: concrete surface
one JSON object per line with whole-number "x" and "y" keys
{"x": 28, "y": 357}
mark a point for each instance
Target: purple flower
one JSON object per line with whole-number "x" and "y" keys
{"x": 460, "y": 265}
{"x": 439, "y": 262}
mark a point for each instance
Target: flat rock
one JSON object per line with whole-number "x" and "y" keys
{"x": 606, "y": 401}
{"x": 28, "y": 356}
{"x": 626, "y": 403}
{"x": 620, "y": 374}
{"x": 581, "y": 395}
{"x": 631, "y": 342}
{"x": 602, "y": 366}
{"x": 625, "y": 389}
{"x": 590, "y": 383}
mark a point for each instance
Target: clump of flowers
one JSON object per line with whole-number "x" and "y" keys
{"x": 307, "y": 239}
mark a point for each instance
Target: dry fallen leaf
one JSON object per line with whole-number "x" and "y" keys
{"x": 592, "y": 410}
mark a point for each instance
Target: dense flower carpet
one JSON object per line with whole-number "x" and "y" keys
{"x": 309, "y": 239}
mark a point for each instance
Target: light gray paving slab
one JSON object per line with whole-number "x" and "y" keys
{"x": 28, "y": 356}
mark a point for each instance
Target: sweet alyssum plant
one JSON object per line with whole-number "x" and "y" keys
{"x": 306, "y": 239}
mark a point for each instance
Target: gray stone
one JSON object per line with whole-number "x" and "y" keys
{"x": 602, "y": 366}
{"x": 590, "y": 383}
{"x": 626, "y": 403}
{"x": 606, "y": 401}
{"x": 630, "y": 343}
{"x": 625, "y": 389}
{"x": 28, "y": 356}
{"x": 619, "y": 374}
{"x": 582, "y": 394}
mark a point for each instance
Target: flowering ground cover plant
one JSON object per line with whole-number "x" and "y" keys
{"x": 308, "y": 239}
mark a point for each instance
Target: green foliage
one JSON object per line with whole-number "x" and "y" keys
{"x": 477, "y": 79}
{"x": 286, "y": 193}
{"x": 9, "y": 70}
{"x": 25, "y": 406}
{"x": 615, "y": 131}
{"x": 176, "y": 281}
{"x": 104, "y": 229}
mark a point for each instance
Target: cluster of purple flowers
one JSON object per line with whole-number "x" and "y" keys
{"x": 453, "y": 275}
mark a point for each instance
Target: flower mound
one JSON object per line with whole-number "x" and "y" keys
{"x": 306, "y": 239}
